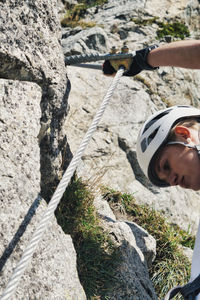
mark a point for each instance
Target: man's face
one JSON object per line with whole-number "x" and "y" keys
{"x": 179, "y": 165}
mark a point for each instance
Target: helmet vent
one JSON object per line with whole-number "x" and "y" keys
{"x": 146, "y": 141}
{"x": 144, "y": 145}
{"x": 150, "y": 123}
{"x": 151, "y": 137}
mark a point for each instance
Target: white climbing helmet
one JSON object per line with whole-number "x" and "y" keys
{"x": 153, "y": 135}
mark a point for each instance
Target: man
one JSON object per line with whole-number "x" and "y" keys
{"x": 168, "y": 145}
{"x": 164, "y": 160}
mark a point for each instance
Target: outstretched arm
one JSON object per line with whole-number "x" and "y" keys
{"x": 184, "y": 54}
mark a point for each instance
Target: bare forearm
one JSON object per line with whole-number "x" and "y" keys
{"x": 184, "y": 54}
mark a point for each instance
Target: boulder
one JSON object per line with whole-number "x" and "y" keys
{"x": 137, "y": 250}
{"x": 132, "y": 276}
{"x": 191, "y": 17}
{"x": 89, "y": 41}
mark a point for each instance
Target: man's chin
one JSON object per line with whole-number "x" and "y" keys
{"x": 195, "y": 188}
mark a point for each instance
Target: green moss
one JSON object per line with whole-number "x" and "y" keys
{"x": 170, "y": 267}
{"x": 174, "y": 28}
{"x": 96, "y": 254}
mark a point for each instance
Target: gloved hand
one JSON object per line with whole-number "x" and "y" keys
{"x": 107, "y": 68}
{"x": 139, "y": 63}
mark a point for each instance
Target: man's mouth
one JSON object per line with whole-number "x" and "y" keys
{"x": 183, "y": 183}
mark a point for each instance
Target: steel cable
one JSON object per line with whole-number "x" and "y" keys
{"x": 77, "y": 59}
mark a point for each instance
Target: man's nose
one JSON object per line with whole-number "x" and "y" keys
{"x": 173, "y": 178}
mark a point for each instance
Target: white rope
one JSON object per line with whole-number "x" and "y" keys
{"x": 49, "y": 213}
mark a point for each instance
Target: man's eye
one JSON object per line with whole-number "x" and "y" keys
{"x": 166, "y": 166}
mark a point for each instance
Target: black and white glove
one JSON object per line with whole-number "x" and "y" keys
{"x": 139, "y": 63}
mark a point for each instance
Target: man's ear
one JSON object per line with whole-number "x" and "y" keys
{"x": 182, "y": 131}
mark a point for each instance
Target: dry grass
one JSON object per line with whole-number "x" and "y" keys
{"x": 170, "y": 267}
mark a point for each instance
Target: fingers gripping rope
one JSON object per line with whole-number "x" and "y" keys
{"x": 49, "y": 213}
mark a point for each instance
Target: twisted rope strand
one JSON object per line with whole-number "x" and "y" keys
{"x": 49, "y": 213}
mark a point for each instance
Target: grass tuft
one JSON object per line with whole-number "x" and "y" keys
{"x": 97, "y": 256}
{"x": 72, "y": 24}
{"x": 170, "y": 267}
{"x": 75, "y": 13}
{"x": 145, "y": 21}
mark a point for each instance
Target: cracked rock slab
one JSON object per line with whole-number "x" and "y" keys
{"x": 51, "y": 273}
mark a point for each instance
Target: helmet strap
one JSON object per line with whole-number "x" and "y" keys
{"x": 197, "y": 147}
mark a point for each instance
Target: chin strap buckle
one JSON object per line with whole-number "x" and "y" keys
{"x": 198, "y": 149}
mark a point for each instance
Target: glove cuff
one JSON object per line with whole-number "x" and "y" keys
{"x": 141, "y": 58}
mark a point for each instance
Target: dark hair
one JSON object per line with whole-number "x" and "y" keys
{"x": 187, "y": 122}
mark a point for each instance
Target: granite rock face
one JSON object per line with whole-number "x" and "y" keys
{"x": 21, "y": 205}
{"x": 33, "y": 96}
{"x": 30, "y": 51}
